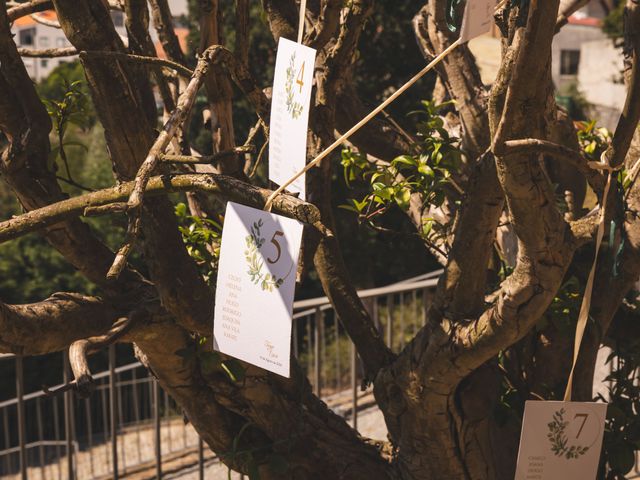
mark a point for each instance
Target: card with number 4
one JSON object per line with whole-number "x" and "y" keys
{"x": 290, "y": 103}
{"x": 560, "y": 440}
{"x": 255, "y": 288}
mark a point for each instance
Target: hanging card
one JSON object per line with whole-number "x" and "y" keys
{"x": 478, "y": 19}
{"x": 290, "y": 103}
{"x": 560, "y": 440}
{"x": 255, "y": 288}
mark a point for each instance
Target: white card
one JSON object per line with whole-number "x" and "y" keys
{"x": 561, "y": 440}
{"x": 477, "y": 19}
{"x": 290, "y": 103}
{"x": 255, "y": 288}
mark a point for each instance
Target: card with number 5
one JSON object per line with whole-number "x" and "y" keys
{"x": 290, "y": 103}
{"x": 255, "y": 288}
{"x": 560, "y": 440}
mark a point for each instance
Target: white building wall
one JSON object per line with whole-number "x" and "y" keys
{"x": 47, "y": 37}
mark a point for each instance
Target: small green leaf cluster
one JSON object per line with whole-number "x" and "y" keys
{"x": 426, "y": 170}
{"x": 212, "y": 362}
{"x": 593, "y": 140}
{"x": 564, "y": 308}
{"x": 202, "y": 238}
{"x": 71, "y": 109}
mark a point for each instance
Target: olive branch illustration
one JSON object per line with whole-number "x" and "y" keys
{"x": 252, "y": 254}
{"x": 293, "y": 107}
{"x": 558, "y": 438}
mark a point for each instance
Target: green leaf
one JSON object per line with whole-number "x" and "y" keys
{"x": 426, "y": 170}
{"x": 403, "y": 197}
{"x": 278, "y": 464}
{"x": 404, "y": 160}
{"x": 234, "y": 369}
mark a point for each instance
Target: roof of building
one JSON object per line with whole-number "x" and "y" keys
{"x": 28, "y": 20}
{"x": 585, "y": 21}
{"x": 182, "y": 34}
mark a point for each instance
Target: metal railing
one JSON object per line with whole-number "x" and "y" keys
{"x": 131, "y": 425}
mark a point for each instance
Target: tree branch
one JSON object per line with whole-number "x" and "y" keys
{"x": 226, "y": 187}
{"x": 55, "y": 323}
{"x": 572, "y": 157}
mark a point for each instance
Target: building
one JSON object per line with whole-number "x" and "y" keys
{"x": 584, "y": 62}
{"x": 38, "y": 32}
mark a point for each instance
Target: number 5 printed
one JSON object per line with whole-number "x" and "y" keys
{"x": 278, "y": 233}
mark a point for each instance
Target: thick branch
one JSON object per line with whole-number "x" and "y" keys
{"x": 226, "y": 187}
{"x": 572, "y": 157}
{"x": 53, "y": 324}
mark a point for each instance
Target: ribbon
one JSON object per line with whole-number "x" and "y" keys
{"x": 588, "y": 292}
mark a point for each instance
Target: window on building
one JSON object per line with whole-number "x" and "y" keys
{"x": 118, "y": 19}
{"x": 61, "y": 42}
{"x": 27, "y": 36}
{"x": 569, "y": 62}
{"x": 44, "y": 41}
{"x": 44, "y": 63}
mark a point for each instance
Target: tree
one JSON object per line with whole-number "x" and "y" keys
{"x": 497, "y": 330}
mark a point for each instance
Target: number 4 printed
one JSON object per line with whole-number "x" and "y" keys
{"x": 300, "y": 78}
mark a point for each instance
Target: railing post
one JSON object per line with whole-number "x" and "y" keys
{"x": 316, "y": 352}
{"x": 200, "y": 458}
{"x": 337, "y": 333}
{"x": 156, "y": 425}
{"x": 89, "y": 420}
{"x": 40, "y": 435}
{"x": 425, "y": 305}
{"x": 402, "y": 320}
{"x": 390, "y": 321}
{"x": 295, "y": 337}
{"x": 354, "y": 385}
{"x": 414, "y": 323}
{"x": 68, "y": 411}
{"x": 56, "y": 430}
{"x": 136, "y": 410}
{"x": 374, "y": 314}
{"x": 7, "y": 440}
{"x": 309, "y": 345}
{"x": 113, "y": 410}
{"x": 21, "y": 418}
{"x": 105, "y": 425}
{"x": 121, "y": 419}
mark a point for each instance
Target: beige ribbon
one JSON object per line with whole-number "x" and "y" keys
{"x": 362, "y": 122}
{"x": 588, "y": 292}
{"x": 303, "y": 10}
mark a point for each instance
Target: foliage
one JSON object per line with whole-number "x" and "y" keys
{"x": 622, "y": 428}
{"x": 614, "y": 22}
{"x": 593, "y": 141}
{"x": 202, "y": 238}
{"x": 572, "y": 98}
{"x": 426, "y": 170}
{"x": 67, "y": 111}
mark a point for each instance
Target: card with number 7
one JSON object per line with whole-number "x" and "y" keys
{"x": 561, "y": 440}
